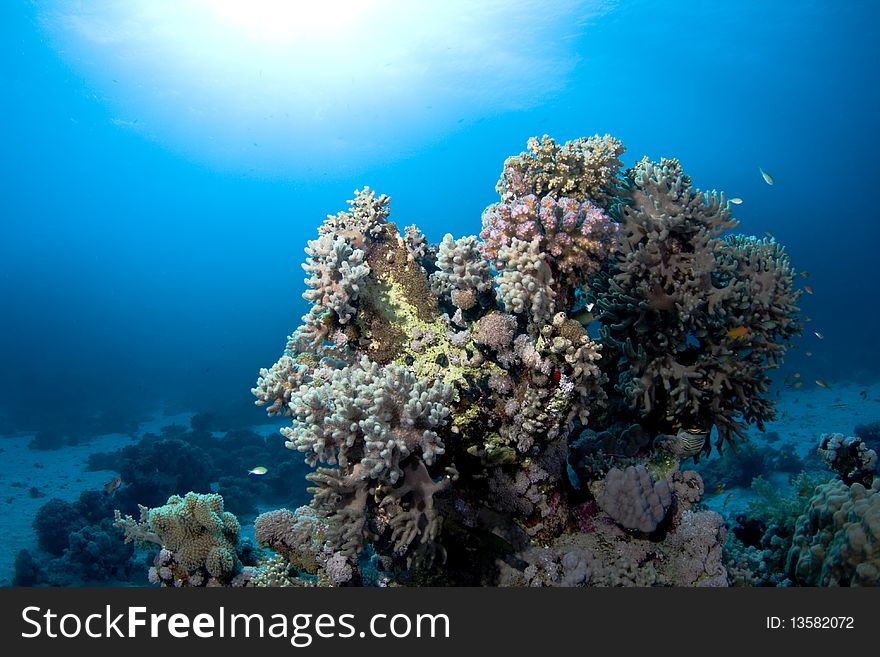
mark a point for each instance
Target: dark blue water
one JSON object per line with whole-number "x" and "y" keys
{"x": 158, "y": 188}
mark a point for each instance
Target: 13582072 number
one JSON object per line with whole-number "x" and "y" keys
{"x": 822, "y": 623}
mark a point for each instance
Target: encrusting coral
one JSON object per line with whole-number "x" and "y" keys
{"x": 436, "y": 389}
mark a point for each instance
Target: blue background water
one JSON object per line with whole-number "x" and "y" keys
{"x": 138, "y": 268}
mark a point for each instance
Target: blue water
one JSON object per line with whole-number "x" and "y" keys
{"x": 131, "y": 270}
{"x": 152, "y": 220}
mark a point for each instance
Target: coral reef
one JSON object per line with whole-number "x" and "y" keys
{"x": 436, "y": 389}
{"x": 511, "y": 409}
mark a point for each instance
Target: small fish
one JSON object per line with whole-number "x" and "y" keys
{"x": 807, "y": 318}
{"x": 112, "y": 486}
{"x": 863, "y": 394}
{"x": 784, "y": 414}
{"x": 736, "y": 200}
{"x": 798, "y": 384}
{"x": 719, "y": 488}
{"x": 785, "y": 380}
{"x": 727, "y": 499}
{"x": 769, "y": 234}
{"x": 259, "y": 470}
{"x": 805, "y": 273}
{"x": 822, "y": 384}
{"x": 818, "y": 335}
{"x": 766, "y": 176}
{"x": 839, "y": 405}
{"x": 809, "y": 353}
{"x": 585, "y": 317}
{"x": 737, "y": 333}
{"x": 797, "y": 375}
{"x": 808, "y": 289}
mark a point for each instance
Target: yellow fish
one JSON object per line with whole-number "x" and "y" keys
{"x": 822, "y": 384}
{"x": 766, "y": 176}
{"x": 259, "y": 470}
{"x": 737, "y": 333}
{"x": 736, "y": 200}
{"x": 112, "y": 486}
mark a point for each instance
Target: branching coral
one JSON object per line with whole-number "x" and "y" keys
{"x": 692, "y": 320}
{"x": 371, "y": 414}
{"x": 335, "y": 273}
{"x": 583, "y": 169}
{"x": 525, "y": 280}
{"x": 576, "y": 236}
{"x": 462, "y": 272}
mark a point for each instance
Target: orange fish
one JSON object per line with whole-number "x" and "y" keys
{"x": 112, "y": 486}
{"x": 737, "y": 333}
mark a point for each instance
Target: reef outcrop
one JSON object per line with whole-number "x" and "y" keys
{"x": 511, "y": 405}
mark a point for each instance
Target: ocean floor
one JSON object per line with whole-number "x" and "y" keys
{"x": 803, "y": 415}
